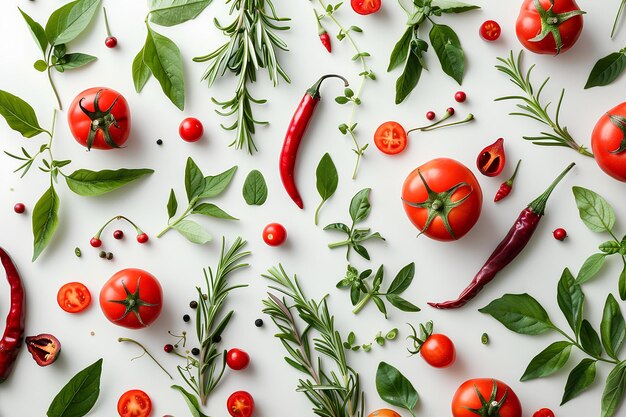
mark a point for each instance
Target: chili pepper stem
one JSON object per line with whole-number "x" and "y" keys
{"x": 320, "y": 28}
{"x": 120, "y": 217}
{"x": 125, "y": 339}
{"x": 538, "y": 206}
{"x": 106, "y": 21}
{"x": 314, "y": 91}
{"x": 512, "y": 179}
{"x": 437, "y": 124}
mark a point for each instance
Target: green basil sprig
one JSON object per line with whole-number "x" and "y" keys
{"x": 394, "y": 388}
{"x": 255, "y": 189}
{"x": 326, "y": 181}
{"x": 63, "y": 26}
{"x": 79, "y": 395}
{"x": 380, "y": 340}
{"x": 21, "y": 117}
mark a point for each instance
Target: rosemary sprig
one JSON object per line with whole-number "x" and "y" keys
{"x": 335, "y": 393}
{"x": 253, "y": 44}
{"x": 211, "y": 323}
{"x": 531, "y": 107}
{"x": 620, "y": 11}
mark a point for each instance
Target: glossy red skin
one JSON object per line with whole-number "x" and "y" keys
{"x": 44, "y": 348}
{"x": 466, "y": 397}
{"x": 80, "y": 123}
{"x": 240, "y": 404}
{"x": 544, "y": 412}
{"x": 190, "y": 129}
{"x": 384, "y": 412}
{"x": 13, "y": 335}
{"x": 365, "y": 7}
{"x": 325, "y": 39}
{"x": 438, "y": 351}
{"x": 442, "y": 174}
{"x": 606, "y": 137}
{"x": 134, "y": 403}
{"x": 491, "y": 159}
{"x": 237, "y": 359}
{"x": 274, "y": 234}
{"x": 19, "y": 208}
{"x": 73, "y": 297}
{"x": 490, "y": 30}
{"x": 528, "y": 26}
{"x": 150, "y": 291}
{"x": 398, "y": 138}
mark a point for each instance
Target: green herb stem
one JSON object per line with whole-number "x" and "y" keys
{"x": 579, "y": 346}
{"x": 49, "y": 71}
{"x": 362, "y": 303}
{"x": 125, "y": 339}
{"x": 180, "y": 218}
{"x": 617, "y": 17}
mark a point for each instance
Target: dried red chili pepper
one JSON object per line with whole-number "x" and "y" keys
{"x": 324, "y": 37}
{"x": 14, "y": 332}
{"x": 491, "y": 160}
{"x": 515, "y": 241}
{"x": 506, "y": 186}
{"x": 293, "y": 137}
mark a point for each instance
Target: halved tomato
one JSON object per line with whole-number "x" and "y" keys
{"x": 365, "y": 7}
{"x": 134, "y": 403}
{"x": 73, "y": 297}
{"x": 390, "y": 138}
{"x": 240, "y": 404}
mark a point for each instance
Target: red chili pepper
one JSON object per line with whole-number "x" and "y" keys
{"x": 515, "y": 241}
{"x": 507, "y": 186}
{"x": 491, "y": 160}
{"x": 293, "y": 137}
{"x": 14, "y": 332}
{"x": 324, "y": 37}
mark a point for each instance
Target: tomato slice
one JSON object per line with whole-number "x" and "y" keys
{"x": 134, "y": 403}
{"x": 73, "y": 297}
{"x": 365, "y": 7}
{"x": 240, "y": 404}
{"x": 390, "y": 138}
{"x": 490, "y": 30}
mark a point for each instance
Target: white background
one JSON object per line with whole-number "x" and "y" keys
{"x": 443, "y": 269}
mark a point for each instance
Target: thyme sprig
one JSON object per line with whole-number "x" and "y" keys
{"x": 531, "y": 106}
{"x": 334, "y": 393}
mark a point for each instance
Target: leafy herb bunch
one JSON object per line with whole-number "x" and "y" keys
{"x": 410, "y": 49}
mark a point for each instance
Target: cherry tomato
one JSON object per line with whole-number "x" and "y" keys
{"x": 384, "y": 412}
{"x": 530, "y": 23}
{"x": 19, "y": 208}
{"x": 490, "y": 30}
{"x": 452, "y": 216}
{"x": 438, "y": 351}
{"x": 544, "y": 412}
{"x": 466, "y": 398}
{"x": 190, "y": 129}
{"x": 73, "y": 297}
{"x": 110, "y": 42}
{"x": 390, "y": 138}
{"x": 274, "y": 234}
{"x": 240, "y": 404}
{"x": 607, "y": 141}
{"x": 365, "y": 7}
{"x": 134, "y": 403}
{"x": 237, "y": 359}
{"x": 131, "y": 298}
{"x": 491, "y": 160}
{"x": 99, "y": 118}
{"x": 460, "y": 96}
{"x": 559, "y": 234}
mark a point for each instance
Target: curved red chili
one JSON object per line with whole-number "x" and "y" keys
{"x": 293, "y": 137}
{"x": 491, "y": 160}
{"x": 14, "y": 332}
{"x": 515, "y": 241}
{"x": 506, "y": 186}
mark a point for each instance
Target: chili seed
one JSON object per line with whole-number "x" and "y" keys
{"x": 193, "y": 304}
{"x": 258, "y": 322}
{"x": 484, "y": 338}
{"x": 195, "y": 351}
{"x": 159, "y": 142}
{"x": 186, "y": 318}
{"x": 109, "y": 256}
{"x": 78, "y": 252}
{"x": 102, "y": 254}
{"x": 168, "y": 348}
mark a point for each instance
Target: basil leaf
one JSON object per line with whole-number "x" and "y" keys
{"x": 163, "y": 58}
{"x": 192, "y": 231}
{"x": 141, "y": 72}
{"x": 76, "y": 60}
{"x": 211, "y": 210}
{"x": 327, "y": 180}
{"x": 255, "y": 189}
{"x": 360, "y": 206}
{"x": 79, "y": 395}
{"x": 192, "y": 402}
{"x": 360, "y": 249}
{"x": 610, "y": 247}
{"x": 520, "y": 313}
{"x": 579, "y": 379}
{"x": 172, "y": 204}
{"x": 594, "y": 211}
{"x": 175, "y": 12}
{"x": 447, "y": 46}
{"x": 402, "y": 304}
{"x": 194, "y": 180}
{"x": 589, "y": 339}
{"x": 69, "y": 21}
{"x": 402, "y": 281}
{"x": 452, "y": 6}
{"x": 394, "y": 388}
{"x": 606, "y": 70}
{"x": 45, "y": 220}
{"x": 591, "y": 267}
{"x": 93, "y": 183}
{"x": 338, "y": 226}
{"x": 401, "y": 51}
{"x": 215, "y": 185}
{"x": 571, "y": 300}
{"x": 409, "y": 78}
{"x": 39, "y": 34}
{"x": 613, "y": 327}
{"x": 548, "y": 361}
{"x": 614, "y": 390}
{"x": 19, "y": 115}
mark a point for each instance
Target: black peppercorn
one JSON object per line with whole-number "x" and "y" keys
{"x": 102, "y": 254}
{"x": 217, "y": 339}
{"x": 258, "y": 322}
{"x": 159, "y": 142}
{"x": 109, "y": 256}
{"x": 195, "y": 351}
{"x": 193, "y": 304}
{"x": 186, "y": 318}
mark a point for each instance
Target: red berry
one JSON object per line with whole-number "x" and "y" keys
{"x": 19, "y": 208}
{"x": 95, "y": 242}
{"x": 190, "y": 129}
{"x": 559, "y": 234}
{"x": 430, "y": 115}
{"x": 110, "y": 42}
{"x": 274, "y": 234}
{"x": 450, "y": 111}
{"x": 168, "y": 348}
{"x": 118, "y": 234}
{"x": 142, "y": 238}
{"x": 460, "y": 96}
{"x": 544, "y": 412}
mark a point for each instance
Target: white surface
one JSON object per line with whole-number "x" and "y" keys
{"x": 443, "y": 269}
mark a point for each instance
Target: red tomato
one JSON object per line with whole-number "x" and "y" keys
{"x": 134, "y": 403}
{"x": 131, "y": 298}
{"x": 190, "y": 129}
{"x": 438, "y": 351}
{"x": 390, "y": 138}
{"x": 384, "y": 412}
{"x": 544, "y": 412}
{"x": 452, "y": 207}
{"x": 73, "y": 297}
{"x": 240, "y": 404}
{"x": 365, "y": 6}
{"x": 237, "y": 359}
{"x": 529, "y": 25}
{"x": 607, "y": 138}
{"x": 490, "y": 30}
{"x": 274, "y": 234}
{"x": 99, "y": 118}
{"x": 465, "y": 399}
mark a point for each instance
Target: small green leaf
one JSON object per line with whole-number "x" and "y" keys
{"x": 69, "y": 21}
{"x": 45, "y": 220}
{"x": 571, "y": 300}
{"x": 591, "y": 267}
{"x": 327, "y": 180}
{"x": 351, "y": 338}
{"x": 38, "y": 32}
{"x": 409, "y": 78}
{"x": 194, "y": 180}
{"x": 402, "y": 280}
{"x": 339, "y": 227}
{"x": 402, "y": 304}
{"x": 614, "y": 390}
{"x": 401, "y": 50}
{"x": 255, "y": 189}
{"x": 589, "y": 339}
{"x": 175, "y": 12}
{"x": 93, "y": 183}
{"x": 447, "y": 46}
{"x": 360, "y": 206}
{"x": 520, "y": 313}
{"x": 606, "y": 70}
{"x": 19, "y": 115}
{"x": 164, "y": 60}
{"x": 548, "y": 361}
{"x": 211, "y": 210}
{"x": 453, "y": 6}
{"x": 192, "y": 402}
{"x": 79, "y": 395}
{"x": 215, "y": 185}
{"x": 613, "y": 327}
{"x": 594, "y": 211}
{"x": 172, "y": 204}
{"x": 40, "y": 65}
{"x": 610, "y": 247}
{"x": 392, "y": 334}
{"x": 193, "y": 231}
{"x": 141, "y": 72}
{"x": 394, "y": 388}
{"x": 579, "y": 379}
{"x": 77, "y": 60}
{"x": 341, "y": 100}
{"x": 380, "y": 304}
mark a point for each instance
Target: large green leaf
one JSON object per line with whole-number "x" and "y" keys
{"x": 606, "y": 70}
{"x": 594, "y": 211}
{"x": 69, "y": 21}
{"x": 79, "y": 395}
{"x": 453, "y": 6}
{"x": 401, "y": 51}
{"x": 394, "y": 388}
{"x": 19, "y": 115}
{"x": 614, "y": 390}
{"x": 613, "y": 327}
{"x": 38, "y": 32}
{"x": 211, "y": 210}
{"x": 93, "y": 183}
{"x": 216, "y": 184}
{"x": 175, "y": 12}
{"x": 571, "y": 300}
{"x": 163, "y": 58}
{"x": 548, "y": 361}
{"x": 402, "y": 280}
{"x": 447, "y": 46}
{"x": 590, "y": 267}
{"x": 192, "y": 402}
{"x": 141, "y": 72}
{"x": 193, "y": 231}
{"x": 520, "y": 313}
{"x": 75, "y": 60}
{"x": 409, "y": 78}
{"x": 45, "y": 220}
{"x": 581, "y": 377}
{"x": 589, "y": 339}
